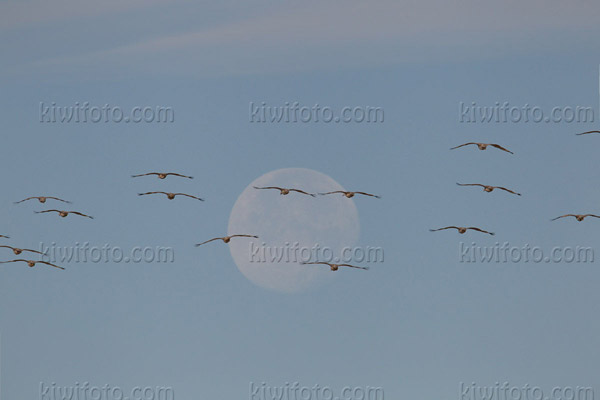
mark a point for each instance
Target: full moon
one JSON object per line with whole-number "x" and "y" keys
{"x": 293, "y": 228}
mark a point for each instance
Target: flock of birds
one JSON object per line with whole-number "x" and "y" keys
{"x": 284, "y": 191}
{"x": 490, "y": 188}
{"x": 18, "y": 251}
{"x": 486, "y": 188}
{"x": 163, "y": 175}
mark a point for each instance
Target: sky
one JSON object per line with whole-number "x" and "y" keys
{"x": 420, "y": 323}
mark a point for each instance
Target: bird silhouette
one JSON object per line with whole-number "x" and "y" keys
{"x": 31, "y": 263}
{"x": 578, "y": 217}
{"x": 334, "y": 267}
{"x": 226, "y": 239}
{"x": 483, "y": 146}
{"x": 162, "y": 175}
{"x": 18, "y": 251}
{"x": 42, "y": 199}
{"x": 488, "y": 188}
{"x": 64, "y": 213}
{"x": 284, "y": 191}
{"x": 350, "y": 194}
{"x": 171, "y": 196}
{"x": 462, "y": 230}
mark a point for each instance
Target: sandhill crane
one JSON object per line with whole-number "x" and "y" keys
{"x": 462, "y": 230}
{"x": 171, "y": 196}
{"x": 64, "y": 213}
{"x": 350, "y": 194}
{"x": 488, "y": 188}
{"x": 334, "y": 267}
{"x": 226, "y": 239}
{"x": 162, "y": 175}
{"x": 284, "y": 191}
{"x": 42, "y": 199}
{"x": 18, "y": 251}
{"x": 483, "y": 146}
{"x": 31, "y": 263}
{"x": 578, "y": 217}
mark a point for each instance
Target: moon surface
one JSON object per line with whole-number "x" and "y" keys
{"x": 291, "y": 229}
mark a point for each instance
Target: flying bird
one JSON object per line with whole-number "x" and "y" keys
{"x": 226, "y": 239}
{"x": 350, "y": 194}
{"x": 162, "y": 175}
{"x": 18, "y": 251}
{"x": 284, "y": 191}
{"x": 487, "y": 188}
{"x": 586, "y": 133}
{"x": 578, "y": 217}
{"x": 31, "y": 263}
{"x": 483, "y": 146}
{"x": 64, "y": 213}
{"x": 334, "y": 267}
{"x": 462, "y": 230}
{"x": 42, "y": 199}
{"x": 171, "y": 196}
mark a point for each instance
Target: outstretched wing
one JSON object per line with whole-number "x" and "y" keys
{"x": 501, "y": 148}
{"x": 302, "y": 191}
{"x": 29, "y": 198}
{"x": 188, "y": 195}
{"x": 508, "y": 190}
{"x": 591, "y": 215}
{"x": 32, "y": 251}
{"x": 208, "y": 241}
{"x": 46, "y": 211}
{"x": 81, "y": 214}
{"x": 175, "y": 174}
{"x": 481, "y": 230}
{"x": 368, "y": 194}
{"x": 315, "y": 262}
{"x": 441, "y": 229}
{"x": 149, "y": 173}
{"x": 56, "y": 198}
{"x": 588, "y": 132}
{"x": 470, "y": 184}
{"x": 354, "y": 266}
{"x": 464, "y": 144}
{"x": 337, "y": 191}
{"x": 268, "y": 187}
{"x": 4, "y": 236}
{"x": 250, "y": 236}
{"x": 563, "y": 216}
{"x": 50, "y": 264}
{"x": 143, "y": 194}
{"x": 12, "y": 261}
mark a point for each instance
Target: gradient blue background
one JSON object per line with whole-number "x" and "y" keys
{"x": 416, "y": 325}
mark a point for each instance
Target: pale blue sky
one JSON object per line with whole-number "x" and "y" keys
{"x": 416, "y": 325}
